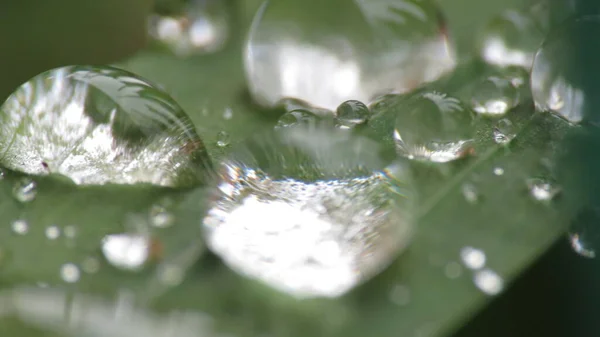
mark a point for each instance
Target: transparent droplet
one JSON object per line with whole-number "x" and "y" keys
{"x": 100, "y": 125}
{"x": 303, "y": 118}
{"x": 453, "y": 270}
{"x": 203, "y": 27}
{"x": 20, "y": 227}
{"x": 52, "y": 232}
{"x": 470, "y": 193}
{"x": 518, "y": 77}
{"x": 160, "y": 217}
{"x": 351, "y": 113}
{"x": 400, "y": 295}
{"x": 223, "y": 139}
{"x": 357, "y": 51}
{"x": 494, "y": 96}
{"x": 472, "y": 258}
{"x": 312, "y": 212}
{"x": 426, "y": 126}
{"x": 541, "y": 189}
{"x": 498, "y": 171}
{"x": 504, "y": 131}
{"x": 69, "y": 272}
{"x": 584, "y": 233}
{"x": 126, "y": 251}
{"x": 563, "y": 66}
{"x": 488, "y": 282}
{"x": 25, "y": 189}
{"x": 510, "y": 39}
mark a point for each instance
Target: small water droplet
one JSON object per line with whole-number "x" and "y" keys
{"x": 498, "y": 171}
{"x": 90, "y": 265}
{"x": 495, "y": 96}
{"x": 171, "y": 275}
{"x": 223, "y": 139}
{"x": 70, "y": 231}
{"x": 20, "y": 227}
{"x": 542, "y": 190}
{"x": 488, "y": 282}
{"x": 518, "y": 77}
{"x": 473, "y": 258}
{"x": 504, "y": 132}
{"x": 303, "y": 118}
{"x": 160, "y": 217}
{"x": 470, "y": 193}
{"x": 584, "y": 233}
{"x": 25, "y": 190}
{"x": 352, "y": 113}
{"x": 453, "y": 270}
{"x": 400, "y": 295}
{"x": 126, "y": 251}
{"x": 2, "y": 174}
{"x": 228, "y": 113}
{"x": 69, "y": 272}
{"x": 52, "y": 232}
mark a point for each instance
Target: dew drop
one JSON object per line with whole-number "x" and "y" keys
{"x": 374, "y": 47}
{"x": 498, "y": 171}
{"x": 20, "y": 227}
{"x": 495, "y": 96}
{"x": 311, "y": 212}
{"x": 352, "y": 113}
{"x": 542, "y": 190}
{"x": 453, "y": 270}
{"x": 126, "y": 251}
{"x": 504, "y": 132}
{"x": 400, "y": 295}
{"x": 52, "y": 232}
{"x": 25, "y": 190}
{"x": 584, "y": 232}
{"x": 223, "y": 139}
{"x": 98, "y": 125}
{"x": 303, "y": 118}
{"x": 69, "y": 273}
{"x": 171, "y": 275}
{"x": 228, "y": 113}
{"x": 472, "y": 258}
{"x": 470, "y": 193}
{"x": 70, "y": 232}
{"x": 160, "y": 217}
{"x": 488, "y": 282}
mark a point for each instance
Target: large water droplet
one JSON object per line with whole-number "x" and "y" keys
{"x": 511, "y": 40}
{"x": 504, "y": 131}
{"x": 352, "y": 113}
{"x": 311, "y": 212}
{"x": 426, "y": 126}
{"x": 203, "y": 27}
{"x": 99, "y": 125}
{"x": 495, "y": 96}
{"x": 126, "y": 251}
{"x": 360, "y": 49}
{"x": 559, "y": 73}
{"x": 25, "y": 190}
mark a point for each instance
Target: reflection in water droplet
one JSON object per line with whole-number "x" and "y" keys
{"x": 488, "y": 282}
{"x": 510, "y": 40}
{"x": 542, "y": 190}
{"x": 453, "y": 270}
{"x": 52, "y": 232}
{"x": 429, "y": 126}
{"x": 470, "y": 193}
{"x": 351, "y": 113}
{"x": 25, "y": 190}
{"x": 584, "y": 232}
{"x": 202, "y": 28}
{"x": 223, "y": 139}
{"x": 69, "y": 273}
{"x": 400, "y": 295}
{"x": 473, "y": 258}
{"x": 495, "y": 96}
{"x": 311, "y": 212}
{"x": 498, "y": 171}
{"x": 373, "y": 47}
{"x": 99, "y": 125}
{"x": 126, "y": 251}
{"x": 504, "y": 132}
{"x": 20, "y": 227}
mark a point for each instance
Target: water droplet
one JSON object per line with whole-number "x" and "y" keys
{"x": 2, "y": 174}
{"x": 25, "y": 190}
{"x": 495, "y": 96}
{"x": 311, "y": 212}
{"x": 374, "y": 47}
{"x": 426, "y": 126}
{"x": 488, "y": 281}
{"x": 69, "y": 273}
{"x": 70, "y": 232}
{"x": 171, "y": 275}
{"x": 100, "y": 125}
{"x": 90, "y": 265}
{"x": 504, "y": 132}
{"x": 518, "y": 77}
{"x": 202, "y": 28}
{"x": 126, "y": 251}
{"x": 473, "y": 258}
{"x": 542, "y": 190}
{"x": 453, "y": 270}
{"x": 228, "y": 113}
{"x": 558, "y": 74}
{"x": 351, "y": 113}
{"x": 470, "y": 193}
{"x": 160, "y": 217}
{"x": 223, "y": 139}
{"x": 400, "y": 295}
{"x": 303, "y": 118}
{"x": 20, "y": 227}
{"x": 510, "y": 39}
{"x": 584, "y": 232}
{"x": 498, "y": 171}
{"x": 52, "y": 232}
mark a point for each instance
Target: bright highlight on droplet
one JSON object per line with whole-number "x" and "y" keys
{"x": 126, "y": 251}
{"x": 69, "y": 272}
{"x": 52, "y": 232}
{"x": 488, "y": 282}
{"x": 25, "y": 189}
{"x": 20, "y": 227}
{"x": 472, "y": 258}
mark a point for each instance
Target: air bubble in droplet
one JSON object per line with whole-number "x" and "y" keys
{"x": 472, "y": 258}
{"x": 470, "y": 193}
{"x": 126, "y": 251}
{"x": 52, "y": 232}
{"x": 488, "y": 282}
{"x": 352, "y": 113}
{"x": 69, "y": 272}
{"x": 20, "y": 227}
{"x": 542, "y": 190}
{"x": 223, "y": 139}
{"x": 25, "y": 190}
{"x": 495, "y": 96}
{"x": 504, "y": 132}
